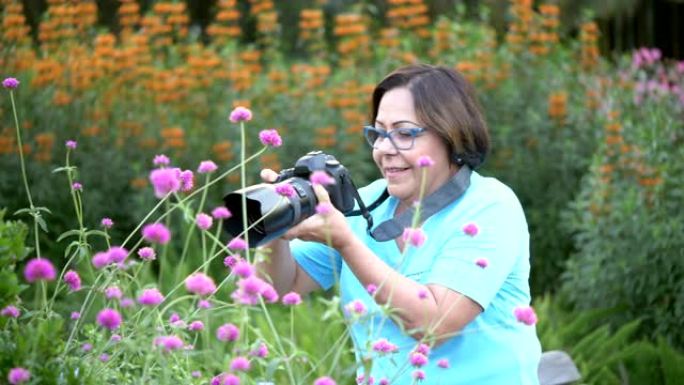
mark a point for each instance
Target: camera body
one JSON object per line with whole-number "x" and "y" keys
{"x": 270, "y": 215}
{"x": 341, "y": 192}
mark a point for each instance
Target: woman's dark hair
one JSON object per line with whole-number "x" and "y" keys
{"x": 445, "y": 103}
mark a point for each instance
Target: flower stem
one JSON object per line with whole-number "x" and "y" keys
{"x": 290, "y": 374}
{"x": 243, "y": 197}
{"x": 21, "y": 151}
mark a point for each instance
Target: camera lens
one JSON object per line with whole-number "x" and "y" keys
{"x": 269, "y": 215}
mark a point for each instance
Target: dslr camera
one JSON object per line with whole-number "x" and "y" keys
{"x": 270, "y": 215}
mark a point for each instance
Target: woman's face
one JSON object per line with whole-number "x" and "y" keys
{"x": 398, "y": 167}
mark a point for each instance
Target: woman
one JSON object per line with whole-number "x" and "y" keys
{"x": 457, "y": 291}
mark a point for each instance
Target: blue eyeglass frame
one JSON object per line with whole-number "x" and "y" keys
{"x": 413, "y": 131}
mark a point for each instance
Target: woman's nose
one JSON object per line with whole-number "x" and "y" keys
{"x": 385, "y": 145}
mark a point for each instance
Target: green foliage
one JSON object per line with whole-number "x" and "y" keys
{"x": 603, "y": 354}
{"x": 12, "y": 250}
{"x": 627, "y": 218}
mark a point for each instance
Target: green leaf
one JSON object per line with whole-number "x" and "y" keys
{"x": 63, "y": 169}
{"x": 41, "y": 223}
{"x": 68, "y": 234}
{"x": 45, "y": 209}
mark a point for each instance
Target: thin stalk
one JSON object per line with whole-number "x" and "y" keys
{"x": 243, "y": 197}
{"x": 288, "y": 367}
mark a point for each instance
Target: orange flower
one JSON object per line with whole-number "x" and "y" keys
{"x": 557, "y": 107}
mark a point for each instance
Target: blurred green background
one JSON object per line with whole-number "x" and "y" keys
{"x": 584, "y": 100}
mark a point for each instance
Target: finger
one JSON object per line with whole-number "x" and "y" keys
{"x": 268, "y": 175}
{"x": 321, "y": 193}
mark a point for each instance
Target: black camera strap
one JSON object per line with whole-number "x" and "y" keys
{"x": 392, "y": 228}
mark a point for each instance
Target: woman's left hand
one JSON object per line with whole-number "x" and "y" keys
{"x": 327, "y": 225}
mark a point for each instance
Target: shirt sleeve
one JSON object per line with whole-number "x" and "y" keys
{"x": 477, "y": 265}
{"x": 322, "y": 263}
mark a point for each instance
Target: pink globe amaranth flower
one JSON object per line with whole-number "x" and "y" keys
{"x": 243, "y": 268}
{"x": 371, "y": 288}
{"x": 187, "y": 179}
{"x": 203, "y": 221}
{"x": 249, "y": 289}
{"x": 240, "y": 364}
{"x": 39, "y": 269}
{"x": 227, "y": 333}
{"x": 72, "y": 279}
{"x": 10, "y": 311}
{"x": 101, "y": 260}
{"x": 269, "y": 294}
{"x": 10, "y": 83}
{"x": 356, "y": 307}
{"x": 75, "y": 315}
{"x": 109, "y": 318}
{"x": 104, "y": 357}
{"x": 221, "y": 213}
{"x": 231, "y": 260}
{"x": 115, "y": 338}
{"x": 270, "y": 138}
{"x": 237, "y": 244}
{"x": 361, "y": 379}
{"x": 117, "y": 254}
{"x": 482, "y": 262}
{"x": 292, "y": 298}
{"x": 156, "y": 233}
{"x": 422, "y": 293}
{"x": 423, "y": 349}
{"x": 150, "y": 297}
{"x": 418, "y": 359}
{"x": 147, "y": 254}
{"x": 196, "y": 326}
{"x": 225, "y": 379}
{"x": 324, "y": 381}
{"x": 324, "y": 208}
{"x": 200, "y": 284}
{"x": 443, "y": 363}
{"x": 471, "y": 229}
{"x": 174, "y": 317}
{"x": 71, "y": 144}
{"x": 286, "y": 190}
{"x": 203, "y": 304}
{"x": 165, "y": 181}
{"x": 425, "y": 161}
{"x": 261, "y": 351}
{"x": 161, "y": 160}
{"x": 126, "y": 302}
{"x": 418, "y": 375}
{"x": 206, "y": 167}
{"x": 240, "y": 114}
{"x": 77, "y": 186}
{"x": 321, "y": 177}
{"x": 86, "y": 347}
{"x": 169, "y": 343}
{"x": 384, "y": 346}
{"x": 526, "y": 315}
{"x": 113, "y": 292}
{"x": 18, "y": 375}
{"x": 383, "y": 381}
{"x": 196, "y": 374}
{"x": 107, "y": 223}
{"x": 414, "y": 236}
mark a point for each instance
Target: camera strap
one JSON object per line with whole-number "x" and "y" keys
{"x": 442, "y": 197}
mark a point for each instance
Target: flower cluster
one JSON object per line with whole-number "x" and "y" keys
{"x": 114, "y": 255}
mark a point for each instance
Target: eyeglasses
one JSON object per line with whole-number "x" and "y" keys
{"x": 401, "y": 138}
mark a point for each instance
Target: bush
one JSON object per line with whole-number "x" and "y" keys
{"x": 627, "y": 218}
{"x": 604, "y": 354}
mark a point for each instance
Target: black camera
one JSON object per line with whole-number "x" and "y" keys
{"x": 270, "y": 215}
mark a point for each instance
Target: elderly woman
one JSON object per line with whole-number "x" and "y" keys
{"x": 454, "y": 280}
